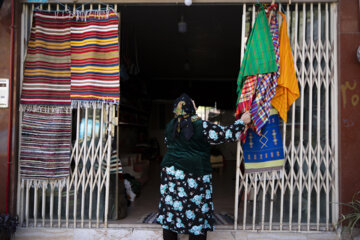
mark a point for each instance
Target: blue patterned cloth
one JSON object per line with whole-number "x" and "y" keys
{"x": 265, "y": 152}
{"x": 217, "y": 134}
{"x": 186, "y": 204}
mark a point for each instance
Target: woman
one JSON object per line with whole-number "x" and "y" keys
{"x": 186, "y": 191}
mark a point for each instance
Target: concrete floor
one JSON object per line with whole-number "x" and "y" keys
{"x": 155, "y": 233}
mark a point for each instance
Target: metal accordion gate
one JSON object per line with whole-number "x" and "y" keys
{"x": 302, "y": 199}
{"x": 305, "y": 196}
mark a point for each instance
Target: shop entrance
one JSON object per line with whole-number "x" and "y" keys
{"x": 169, "y": 49}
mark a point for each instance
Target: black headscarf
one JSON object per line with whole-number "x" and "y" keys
{"x": 185, "y": 114}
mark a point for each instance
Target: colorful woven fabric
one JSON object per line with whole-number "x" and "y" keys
{"x": 264, "y": 152}
{"x": 287, "y": 90}
{"x": 45, "y": 145}
{"x": 246, "y": 96}
{"x": 95, "y": 57}
{"x": 47, "y": 65}
{"x": 259, "y": 56}
{"x": 266, "y": 85}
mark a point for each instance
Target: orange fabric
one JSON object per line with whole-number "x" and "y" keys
{"x": 287, "y": 90}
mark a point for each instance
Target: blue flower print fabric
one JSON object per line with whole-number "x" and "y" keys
{"x": 186, "y": 202}
{"x": 217, "y": 134}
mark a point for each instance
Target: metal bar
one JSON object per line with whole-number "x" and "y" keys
{"x": 20, "y": 188}
{"x": 100, "y": 167}
{"x": 286, "y": 154}
{"x": 302, "y": 117}
{"x": 35, "y": 204}
{"x": 22, "y": 203}
{"x": 51, "y": 203}
{"x": 311, "y": 85}
{"x": 83, "y": 170}
{"x": 44, "y": 186}
{"x": 92, "y": 159}
{"x": 77, "y": 160}
{"x": 293, "y": 123}
{"x": 318, "y": 120}
{"x": 238, "y": 146}
{"x": 334, "y": 119}
{"x": 27, "y": 202}
{"x": 117, "y": 164}
{"x": 245, "y": 200}
{"x": 67, "y": 202}
{"x": 327, "y": 123}
{"x": 59, "y": 204}
{"x": 263, "y": 199}
{"x": 108, "y": 165}
{"x": 237, "y": 185}
{"x": 255, "y": 180}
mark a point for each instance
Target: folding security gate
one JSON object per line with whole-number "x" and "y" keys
{"x": 305, "y": 196}
{"x": 84, "y": 200}
{"x": 302, "y": 199}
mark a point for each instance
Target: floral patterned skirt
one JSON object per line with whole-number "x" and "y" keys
{"x": 186, "y": 204}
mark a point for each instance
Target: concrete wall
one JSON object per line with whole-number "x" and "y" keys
{"x": 349, "y": 99}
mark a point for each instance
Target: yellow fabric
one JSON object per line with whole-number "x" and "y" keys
{"x": 287, "y": 90}
{"x": 268, "y": 164}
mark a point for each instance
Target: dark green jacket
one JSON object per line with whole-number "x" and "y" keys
{"x": 191, "y": 156}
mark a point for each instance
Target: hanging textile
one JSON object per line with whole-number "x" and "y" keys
{"x": 45, "y": 145}
{"x": 246, "y": 96}
{"x": 287, "y": 90}
{"x": 95, "y": 75}
{"x": 47, "y": 64}
{"x": 71, "y": 57}
{"x": 259, "y": 56}
{"x": 45, "y": 100}
{"x": 264, "y": 152}
{"x": 266, "y": 85}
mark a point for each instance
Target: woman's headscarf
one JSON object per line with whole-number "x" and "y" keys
{"x": 185, "y": 114}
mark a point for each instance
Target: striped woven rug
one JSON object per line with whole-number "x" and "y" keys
{"x": 95, "y": 57}
{"x": 47, "y": 64}
{"x": 220, "y": 218}
{"x": 72, "y": 57}
{"x": 45, "y": 145}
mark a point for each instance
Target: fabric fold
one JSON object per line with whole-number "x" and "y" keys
{"x": 287, "y": 90}
{"x": 266, "y": 85}
{"x": 259, "y": 56}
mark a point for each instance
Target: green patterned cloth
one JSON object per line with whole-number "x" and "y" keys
{"x": 259, "y": 54}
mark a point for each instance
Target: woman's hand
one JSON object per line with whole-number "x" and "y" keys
{"x": 246, "y": 118}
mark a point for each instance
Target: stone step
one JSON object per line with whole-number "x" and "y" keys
{"x": 155, "y": 233}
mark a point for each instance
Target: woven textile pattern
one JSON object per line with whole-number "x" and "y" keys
{"x": 95, "y": 57}
{"x": 246, "y": 96}
{"x": 45, "y": 145}
{"x": 259, "y": 56}
{"x": 265, "y": 152}
{"x": 266, "y": 85}
{"x": 47, "y": 66}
